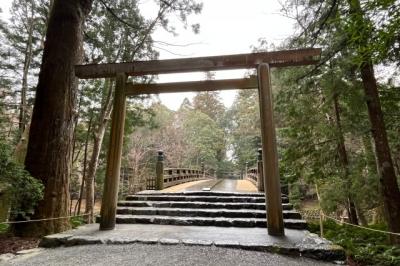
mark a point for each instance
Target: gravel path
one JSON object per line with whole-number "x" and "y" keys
{"x": 163, "y": 255}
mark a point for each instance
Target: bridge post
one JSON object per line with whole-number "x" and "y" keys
{"x": 260, "y": 176}
{"x": 160, "y": 170}
{"x": 270, "y": 154}
{"x": 111, "y": 182}
{"x": 246, "y": 169}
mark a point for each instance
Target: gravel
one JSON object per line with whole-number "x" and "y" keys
{"x": 156, "y": 254}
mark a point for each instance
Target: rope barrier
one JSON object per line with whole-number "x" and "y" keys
{"x": 46, "y": 219}
{"x": 359, "y": 226}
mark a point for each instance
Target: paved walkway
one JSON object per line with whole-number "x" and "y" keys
{"x": 232, "y": 185}
{"x": 165, "y": 255}
{"x": 189, "y": 185}
{"x": 227, "y": 185}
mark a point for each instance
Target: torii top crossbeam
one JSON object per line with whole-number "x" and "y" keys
{"x": 284, "y": 58}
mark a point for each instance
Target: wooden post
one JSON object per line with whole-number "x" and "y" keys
{"x": 160, "y": 171}
{"x": 111, "y": 183}
{"x": 246, "y": 169}
{"x": 270, "y": 154}
{"x": 260, "y": 174}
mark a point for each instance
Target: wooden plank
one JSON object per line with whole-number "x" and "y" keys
{"x": 238, "y": 61}
{"x": 206, "y": 85}
{"x": 270, "y": 154}
{"x": 111, "y": 182}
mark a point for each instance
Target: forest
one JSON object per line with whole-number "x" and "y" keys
{"x": 338, "y": 122}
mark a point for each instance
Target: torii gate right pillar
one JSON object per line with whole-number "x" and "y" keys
{"x": 270, "y": 173}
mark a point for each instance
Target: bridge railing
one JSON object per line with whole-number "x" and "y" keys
{"x": 176, "y": 176}
{"x": 168, "y": 177}
{"x": 252, "y": 175}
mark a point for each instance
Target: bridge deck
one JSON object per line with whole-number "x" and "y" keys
{"x": 228, "y": 185}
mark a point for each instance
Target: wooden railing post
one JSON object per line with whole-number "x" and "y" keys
{"x": 160, "y": 170}
{"x": 270, "y": 154}
{"x": 111, "y": 182}
{"x": 246, "y": 169}
{"x": 260, "y": 174}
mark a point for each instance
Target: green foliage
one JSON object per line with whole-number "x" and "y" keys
{"x": 209, "y": 103}
{"x": 4, "y": 228}
{"x": 325, "y": 107}
{"x": 77, "y": 221}
{"x": 363, "y": 246}
{"x": 204, "y": 136}
{"x": 26, "y": 191}
{"x": 21, "y": 40}
{"x": 245, "y": 128}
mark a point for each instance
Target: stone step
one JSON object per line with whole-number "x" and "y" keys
{"x": 180, "y": 197}
{"x": 204, "y": 193}
{"x": 227, "y": 213}
{"x": 199, "y": 205}
{"x": 205, "y": 221}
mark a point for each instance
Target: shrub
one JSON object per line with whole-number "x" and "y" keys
{"x": 363, "y": 246}
{"x": 25, "y": 191}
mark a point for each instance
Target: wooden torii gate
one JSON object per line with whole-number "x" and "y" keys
{"x": 261, "y": 61}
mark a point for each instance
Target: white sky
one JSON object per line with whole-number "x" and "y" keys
{"x": 226, "y": 27}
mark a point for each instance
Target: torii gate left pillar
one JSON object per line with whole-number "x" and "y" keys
{"x": 111, "y": 182}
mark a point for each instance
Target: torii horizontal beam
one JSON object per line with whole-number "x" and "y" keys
{"x": 132, "y": 89}
{"x": 239, "y": 61}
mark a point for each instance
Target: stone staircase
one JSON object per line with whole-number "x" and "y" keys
{"x": 202, "y": 209}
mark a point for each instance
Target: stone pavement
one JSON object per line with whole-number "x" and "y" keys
{"x": 215, "y": 185}
{"x": 295, "y": 243}
{"x": 163, "y": 255}
{"x": 188, "y": 185}
{"x": 245, "y": 186}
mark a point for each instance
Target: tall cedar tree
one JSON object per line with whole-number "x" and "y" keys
{"x": 50, "y": 137}
{"x": 388, "y": 181}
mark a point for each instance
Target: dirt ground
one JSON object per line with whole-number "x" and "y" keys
{"x": 12, "y": 244}
{"x": 97, "y": 206}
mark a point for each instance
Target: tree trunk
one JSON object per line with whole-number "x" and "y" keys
{"x": 389, "y": 187}
{"x": 344, "y": 160}
{"x": 79, "y": 203}
{"x": 361, "y": 216}
{"x": 27, "y": 63}
{"x": 51, "y": 131}
{"x": 97, "y": 142}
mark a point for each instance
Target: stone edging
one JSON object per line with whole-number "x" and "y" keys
{"x": 317, "y": 251}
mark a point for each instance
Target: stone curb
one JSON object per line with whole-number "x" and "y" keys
{"x": 324, "y": 252}
{"x": 216, "y": 183}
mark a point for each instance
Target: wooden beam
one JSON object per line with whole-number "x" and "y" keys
{"x": 238, "y": 61}
{"x": 206, "y": 85}
{"x": 270, "y": 154}
{"x": 111, "y": 182}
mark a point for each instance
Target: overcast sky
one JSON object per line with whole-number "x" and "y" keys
{"x": 226, "y": 27}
